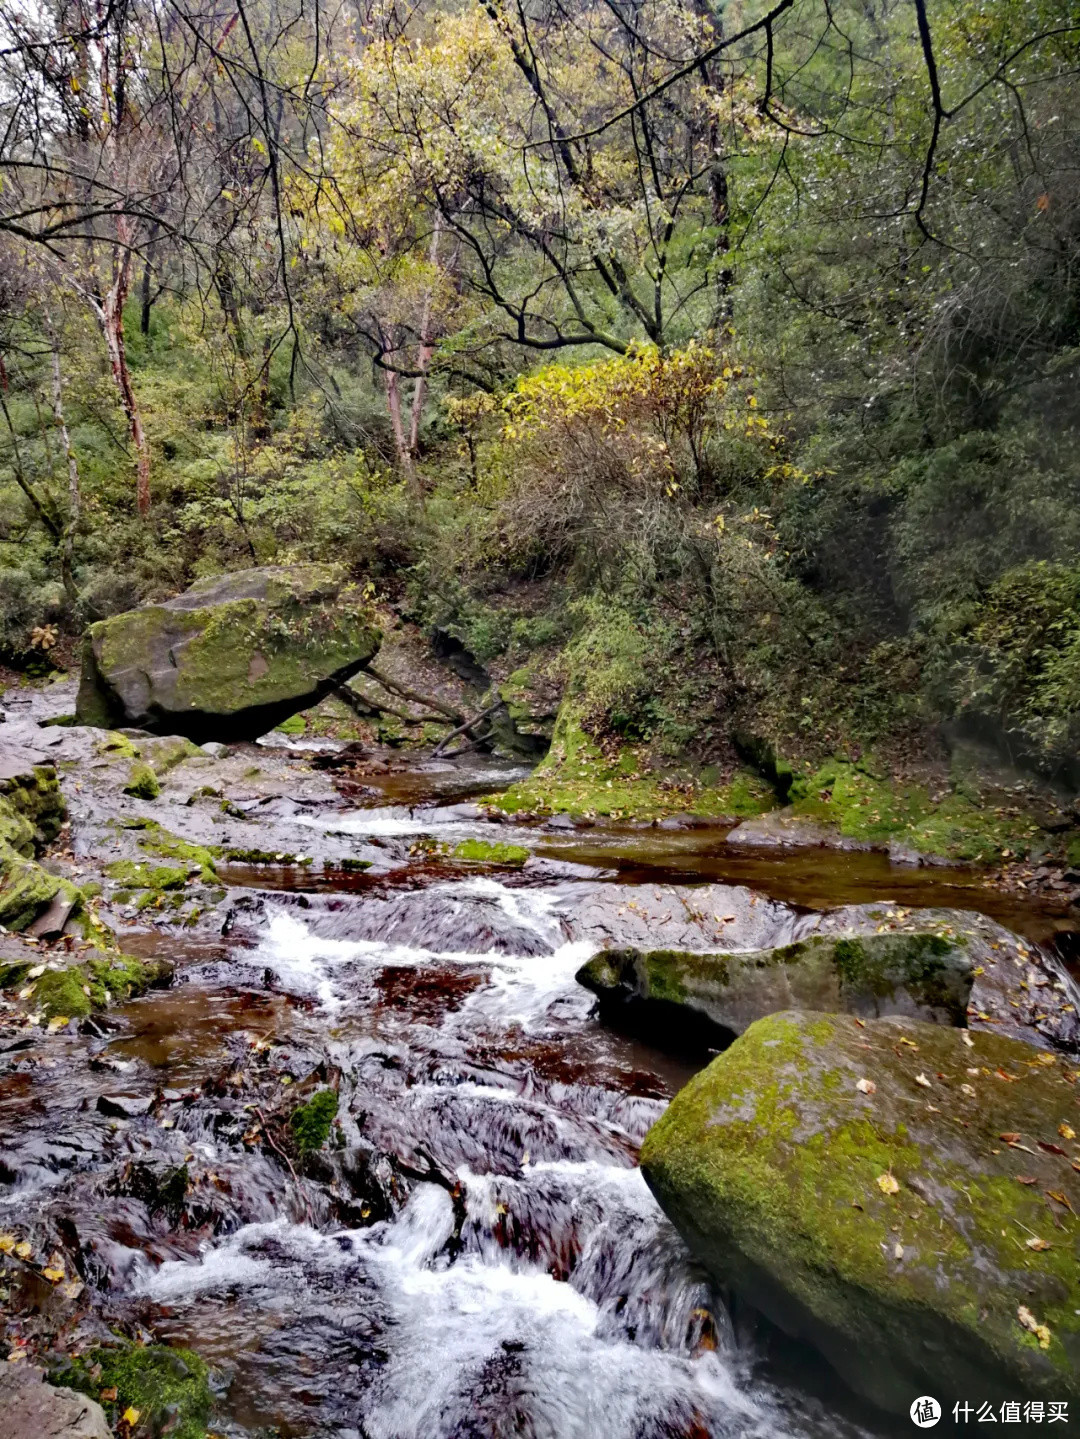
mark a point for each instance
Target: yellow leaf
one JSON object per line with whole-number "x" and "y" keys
{"x": 1038, "y": 1244}
{"x": 130, "y": 1416}
{"x": 54, "y": 1276}
{"x": 1066, "y": 1131}
{"x": 24, "y": 1250}
{"x": 7, "y": 1243}
{"x": 887, "y": 1184}
{"x": 1032, "y": 1325}
{"x": 59, "y": 1021}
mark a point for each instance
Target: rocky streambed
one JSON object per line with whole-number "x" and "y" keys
{"x": 367, "y": 1165}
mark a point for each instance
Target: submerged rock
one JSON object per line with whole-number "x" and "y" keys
{"x": 898, "y": 1194}
{"x": 918, "y": 974}
{"x": 229, "y": 658}
{"x": 30, "y": 1407}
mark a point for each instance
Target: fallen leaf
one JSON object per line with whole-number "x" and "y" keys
{"x": 966, "y": 1089}
{"x": 1026, "y": 1179}
{"x": 1002, "y": 1075}
{"x": 1050, "y": 1148}
{"x": 24, "y": 1250}
{"x": 1038, "y": 1244}
{"x": 74, "y": 1289}
{"x": 54, "y": 1276}
{"x": 898, "y": 1251}
{"x": 1066, "y": 1131}
{"x": 967, "y": 1039}
{"x": 887, "y": 1184}
{"x": 1032, "y": 1325}
{"x": 909, "y": 1042}
{"x": 130, "y": 1416}
{"x": 922, "y": 1079}
{"x": 58, "y": 1021}
{"x": 7, "y": 1243}
{"x": 108, "y": 1396}
{"x": 866, "y": 1086}
{"x": 1009, "y": 1138}
{"x": 1060, "y": 1198}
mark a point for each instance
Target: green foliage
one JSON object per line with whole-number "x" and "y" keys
{"x": 170, "y": 1388}
{"x": 311, "y": 1122}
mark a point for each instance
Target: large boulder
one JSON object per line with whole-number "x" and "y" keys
{"x": 901, "y": 1195}
{"x": 919, "y": 974}
{"x": 229, "y": 658}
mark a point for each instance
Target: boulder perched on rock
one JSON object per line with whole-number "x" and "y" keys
{"x": 229, "y": 658}
{"x": 901, "y": 1195}
{"x": 919, "y": 974}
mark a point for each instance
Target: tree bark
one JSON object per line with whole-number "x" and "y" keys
{"x": 112, "y": 324}
{"x": 67, "y": 543}
{"x": 427, "y": 349}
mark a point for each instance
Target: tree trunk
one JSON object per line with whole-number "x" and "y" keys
{"x": 112, "y": 324}
{"x": 426, "y": 350}
{"x": 67, "y": 543}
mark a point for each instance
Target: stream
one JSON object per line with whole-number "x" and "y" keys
{"x": 475, "y": 1252}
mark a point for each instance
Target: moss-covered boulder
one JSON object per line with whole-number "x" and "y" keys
{"x": 229, "y": 658}
{"x": 924, "y": 975}
{"x": 901, "y": 1195}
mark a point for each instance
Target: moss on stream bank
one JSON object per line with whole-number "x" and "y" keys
{"x": 170, "y": 1388}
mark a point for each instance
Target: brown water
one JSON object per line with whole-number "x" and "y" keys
{"x": 474, "y": 1253}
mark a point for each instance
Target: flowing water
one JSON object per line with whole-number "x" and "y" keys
{"x": 475, "y": 1252}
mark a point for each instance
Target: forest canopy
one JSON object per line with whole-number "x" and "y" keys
{"x": 719, "y": 361}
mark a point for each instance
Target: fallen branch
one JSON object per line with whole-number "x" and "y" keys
{"x": 396, "y": 687}
{"x": 371, "y": 709}
{"x": 466, "y": 728}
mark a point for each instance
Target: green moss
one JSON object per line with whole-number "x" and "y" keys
{"x": 142, "y": 781}
{"x": 265, "y": 856}
{"x": 31, "y": 800}
{"x": 868, "y": 807}
{"x": 311, "y": 1122}
{"x": 25, "y": 888}
{"x": 351, "y": 866}
{"x": 295, "y": 724}
{"x": 118, "y": 746}
{"x": 769, "y": 1163}
{"x": 162, "y": 843}
{"x": 479, "y": 851}
{"x": 169, "y": 1387}
{"x": 101, "y": 979}
{"x": 133, "y": 875}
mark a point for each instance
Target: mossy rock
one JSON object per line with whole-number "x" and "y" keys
{"x": 914, "y": 1230}
{"x": 482, "y": 851}
{"x": 160, "y": 842}
{"x": 92, "y": 985}
{"x": 170, "y": 1388}
{"x": 26, "y": 890}
{"x": 230, "y": 658}
{"x": 30, "y": 794}
{"x": 311, "y": 1122}
{"x": 142, "y": 782}
{"x": 133, "y": 875}
{"x": 919, "y": 974}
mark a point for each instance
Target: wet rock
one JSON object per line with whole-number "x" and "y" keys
{"x": 1002, "y": 998}
{"x": 919, "y": 974}
{"x": 31, "y": 813}
{"x": 124, "y": 1106}
{"x": 229, "y": 658}
{"x": 873, "y": 1189}
{"x": 692, "y": 917}
{"x": 29, "y": 1407}
{"x": 215, "y": 749}
{"x": 779, "y": 828}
